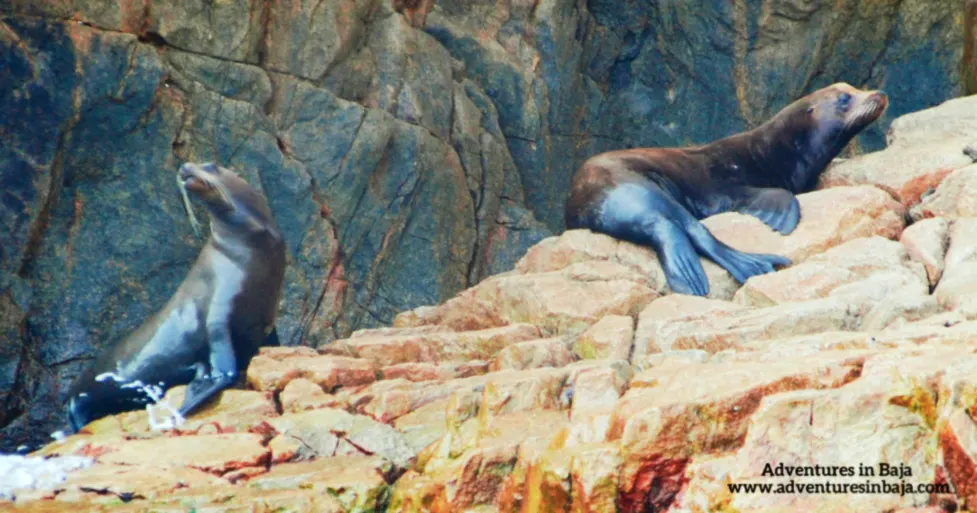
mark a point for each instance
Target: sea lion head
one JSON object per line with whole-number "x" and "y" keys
{"x": 802, "y": 139}
{"x": 234, "y": 206}
{"x": 837, "y": 113}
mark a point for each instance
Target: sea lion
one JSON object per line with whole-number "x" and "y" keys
{"x": 656, "y": 196}
{"x": 214, "y": 323}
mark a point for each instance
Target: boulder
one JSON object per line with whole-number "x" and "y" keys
{"x": 215, "y": 454}
{"x": 952, "y": 199}
{"x": 956, "y": 286}
{"x": 838, "y": 427}
{"x": 875, "y": 267}
{"x": 952, "y": 119}
{"x": 563, "y": 302}
{"x": 358, "y": 483}
{"x": 594, "y": 393}
{"x": 611, "y": 338}
{"x": 481, "y": 471}
{"x": 908, "y": 173}
{"x": 662, "y": 415}
{"x": 418, "y": 371}
{"x": 439, "y": 346}
{"x": 735, "y": 327}
{"x": 927, "y": 241}
{"x": 547, "y": 352}
{"x": 301, "y": 394}
{"x": 119, "y": 482}
{"x": 273, "y": 371}
{"x": 829, "y": 217}
{"x": 323, "y": 431}
{"x": 670, "y": 315}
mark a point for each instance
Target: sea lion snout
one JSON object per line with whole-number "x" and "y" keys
{"x": 197, "y": 178}
{"x": 187, "y": 170}
{"x": 191, "y": 169}
{"x": 876, "y": 98}
{"x": 842, "y": 104}
{"x": 881, "y": 98}
{"x": 873, "y": 105}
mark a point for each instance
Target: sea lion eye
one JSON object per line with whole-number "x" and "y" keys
{"x": 844, "y": 99}
{"x": 210, "y": 167}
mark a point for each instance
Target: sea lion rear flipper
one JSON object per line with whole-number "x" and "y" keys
{"x": 778, "y": 208}
{"x": 645, "y": 214}
{"x": 679, "y": 260}
{"x": 742, "y": 266}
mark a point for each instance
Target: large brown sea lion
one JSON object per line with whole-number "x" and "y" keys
{"x": 214, "y": 323}
{"x": 655, "y": 196}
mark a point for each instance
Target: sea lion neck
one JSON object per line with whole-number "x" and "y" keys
{"x": 788, "y": 151}
{"x": 245, "y": 219}
{"x": 241, "y": 236}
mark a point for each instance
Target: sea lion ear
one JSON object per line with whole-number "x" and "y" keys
{"x": 810, "y": 110}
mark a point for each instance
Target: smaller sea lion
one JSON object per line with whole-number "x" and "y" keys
{"x": 213, "y": 325}
{"x": 656, "y": 196}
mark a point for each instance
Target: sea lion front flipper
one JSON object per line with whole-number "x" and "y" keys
{"x": 223, "y": 371}
{"x": 201, "y": 390}
{"x": 272, "y": 339}
{"x": 197, "y": 391}
{"x": 778, "y": 208}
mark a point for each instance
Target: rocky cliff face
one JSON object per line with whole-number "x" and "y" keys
{"x": 409, "y": 148}
{"x": 578, "y": 382}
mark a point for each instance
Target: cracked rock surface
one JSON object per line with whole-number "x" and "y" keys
{"x": 578, "y": 382}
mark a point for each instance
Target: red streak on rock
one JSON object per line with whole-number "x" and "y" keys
{"x": 654, "y": 486}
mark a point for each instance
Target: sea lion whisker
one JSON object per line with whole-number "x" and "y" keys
{"x": 187, "y": 207}
{"x": 224, "y": 194}
{"x": 868, "y": 109}
{"x": 855, "y": 116}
